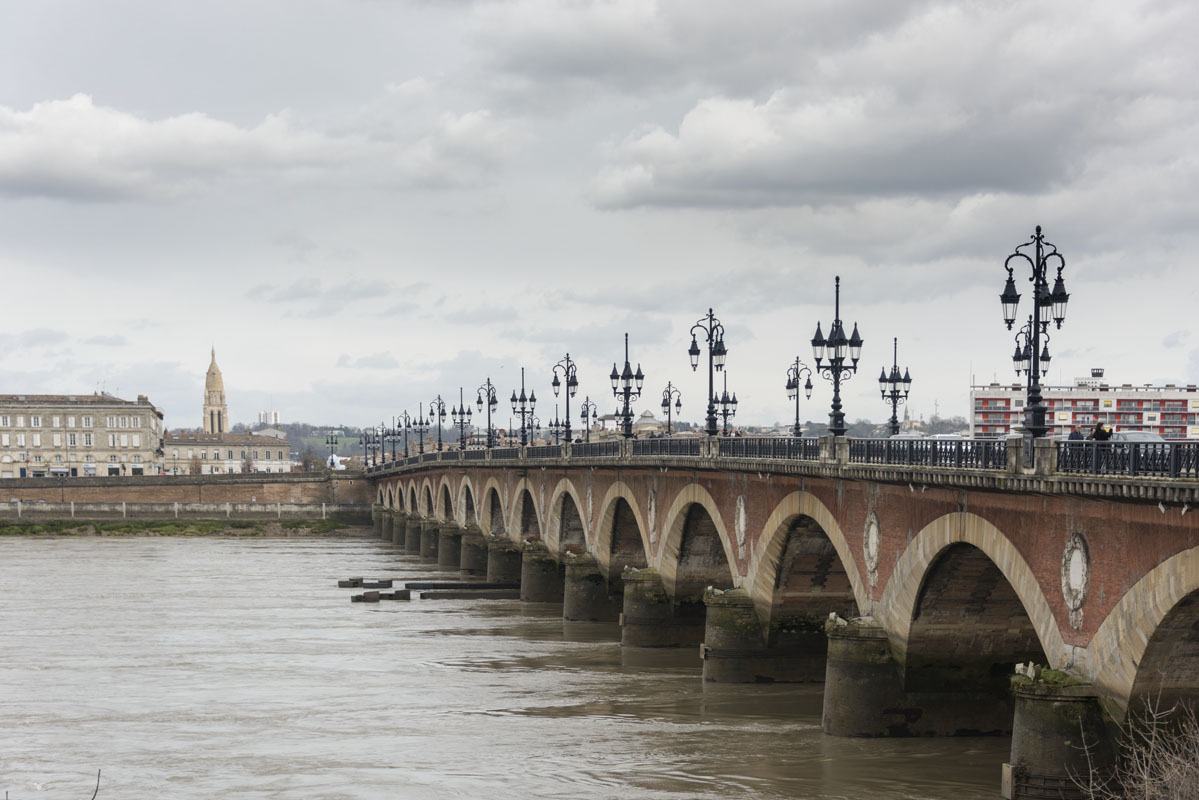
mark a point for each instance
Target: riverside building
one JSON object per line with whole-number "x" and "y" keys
{"x": 85, "y": 435}
{"x": 1170, "y": 410}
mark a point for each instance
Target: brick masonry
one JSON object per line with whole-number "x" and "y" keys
{"x": 1023, "y": 526}
{"x": 288, "y": 488}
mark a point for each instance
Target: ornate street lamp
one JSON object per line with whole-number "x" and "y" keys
{"x": 557, "y": 426}
{"x": 670, "y": 395}
{"x": 420, "y": 426}
{"x": 331, "y": 441}
{"x": 728, "y": 406}
{"x": 524, "y": 405}
{"x": 842, "y": 355}
{"x": 626, "y": 387}
{"x": 461, "y": 418}
{"x": 713, "y": 331}
{"x": 437, "y": 415}
{"x": 486, "y": 398}
{"x": 404, "y": 422}
{"x": 1032, "y": 341}
{"x": 570, "y": 376}
{"x": 794, "y": 373}
{"x": 587, "y": 408}
{"x": 893, "y": 387}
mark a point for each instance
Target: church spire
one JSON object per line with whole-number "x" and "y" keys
{"x": 216, "y": 411}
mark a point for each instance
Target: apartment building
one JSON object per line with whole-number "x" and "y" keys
{"x": 1170, "y": 410}
{"x": 51, "y": 435}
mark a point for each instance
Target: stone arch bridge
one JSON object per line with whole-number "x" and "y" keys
{"x": 952, "y": 565}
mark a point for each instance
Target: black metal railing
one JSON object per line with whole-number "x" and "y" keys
{"x": 505, "y": 452}
{"x": 1161, "y": 459}
{"x": 667, "y": 447}
{"x": 610, "y": 449}
{"x": 955, "y": 453}
{"x": 543, "y": 451}
{"x": 429, "y": 456}
{"x": 778, "y": 447}
{"x": 474, "y": 455}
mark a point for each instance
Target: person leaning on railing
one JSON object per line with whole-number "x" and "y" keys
{"x": 1102, "y": 433}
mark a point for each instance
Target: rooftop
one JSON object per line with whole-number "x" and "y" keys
{"x": 93, "y": 399}
{"x": 187, "y": 437}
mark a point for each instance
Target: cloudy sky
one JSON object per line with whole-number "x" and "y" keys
{"x": 364, "y": 203}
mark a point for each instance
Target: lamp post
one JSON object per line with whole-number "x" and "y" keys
{"x": 713, "y": 331}
{"x": 1033, "y": 352}
{"x": 588, "y": 408}
{"x": 557, "y": 426}
{"x": 486, "y": 398}
{"x": 404, "y": 422}
{"x": 893, "y": 387}
{"x": 524, "y": 405}
{"x": 842, "y": 355}
{"x": 794, "y": 373}
{"x": 420, "y": 427}
{"x": 437, "y": 415}
{"x": 331, "y": 442}
{"x": 671, "y": 394}
{"x": 461, "y": 418}
{"x": 570, "y": 377}
{"x": 728, "y": 406}
{"x": 626, "y": 386}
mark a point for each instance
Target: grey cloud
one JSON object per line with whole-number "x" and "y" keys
{"x": 372, "y": 361}
{"x": 312, "y": 298}
{"x": 115, "y": 340}
{"x": 35, "y": 337}
{"x": 1175, "y": 339}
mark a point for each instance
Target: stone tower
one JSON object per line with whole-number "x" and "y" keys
{"x": 216, "y": 412}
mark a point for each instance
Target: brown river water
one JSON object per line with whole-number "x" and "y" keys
{"x": 234, "y": 668}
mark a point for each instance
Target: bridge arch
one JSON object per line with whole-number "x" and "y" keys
{"x": 494, "y": 514}
{"x": 466, "y": 502}
{"x": 525, "y": 517}
{"x": 397, "y": 502}
{"x": 621, "y": 535}
{"x": 411, "y": 506}
{"x": 803, "y": 566}
{"x": 962, "y": 607}
{"x": 566, "y": 524}
{"x": 381, "y": 496}
{"x": 696, "y": 548}
{"x": 445, "y": 501}
{"x": 426, "y": 510}
{"x": 1155, "y": 623}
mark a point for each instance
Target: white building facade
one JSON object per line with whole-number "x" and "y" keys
{"x": 1170, "y": 410}
{"x": 88, "y": 435}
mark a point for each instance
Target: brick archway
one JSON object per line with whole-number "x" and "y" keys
{"x": 898, "y": 605}
{"x": 1120, "y": 651}
{"x": 606, "y": 526}
{"x": 553, "y": 534}
{"x": 668, "y": 557}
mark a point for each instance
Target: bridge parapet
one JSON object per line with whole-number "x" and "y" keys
{"x": 1147, "y": 471}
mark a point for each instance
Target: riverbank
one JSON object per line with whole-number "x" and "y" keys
{"x": 193, "y": 527}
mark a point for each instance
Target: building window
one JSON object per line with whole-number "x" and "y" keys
{"x": 137, "y": 422}
{"x": 137, "y": 459}
{"x": 71, "y": 440}
{"x": 35, "y": 422}
{"x": 70, "y": 422}
{"x": 20, "y": 421}
{"x": 230, "y": 455}
{"x": 87, "y": 422}
{"x": 112, "y": 440}
{"x": 57, "y": 439}
{"x": 137, "y": 440}
{"x": 4, "y": 440}
{"x": 4, "y": 422}
{"x": 56, "y": 422}
{"x": 37, "y": 440}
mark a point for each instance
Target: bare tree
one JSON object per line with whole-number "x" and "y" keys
{"x": 1158, "y": 760}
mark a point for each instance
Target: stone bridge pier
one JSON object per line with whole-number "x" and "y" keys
{"x": 911, "y": 593}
